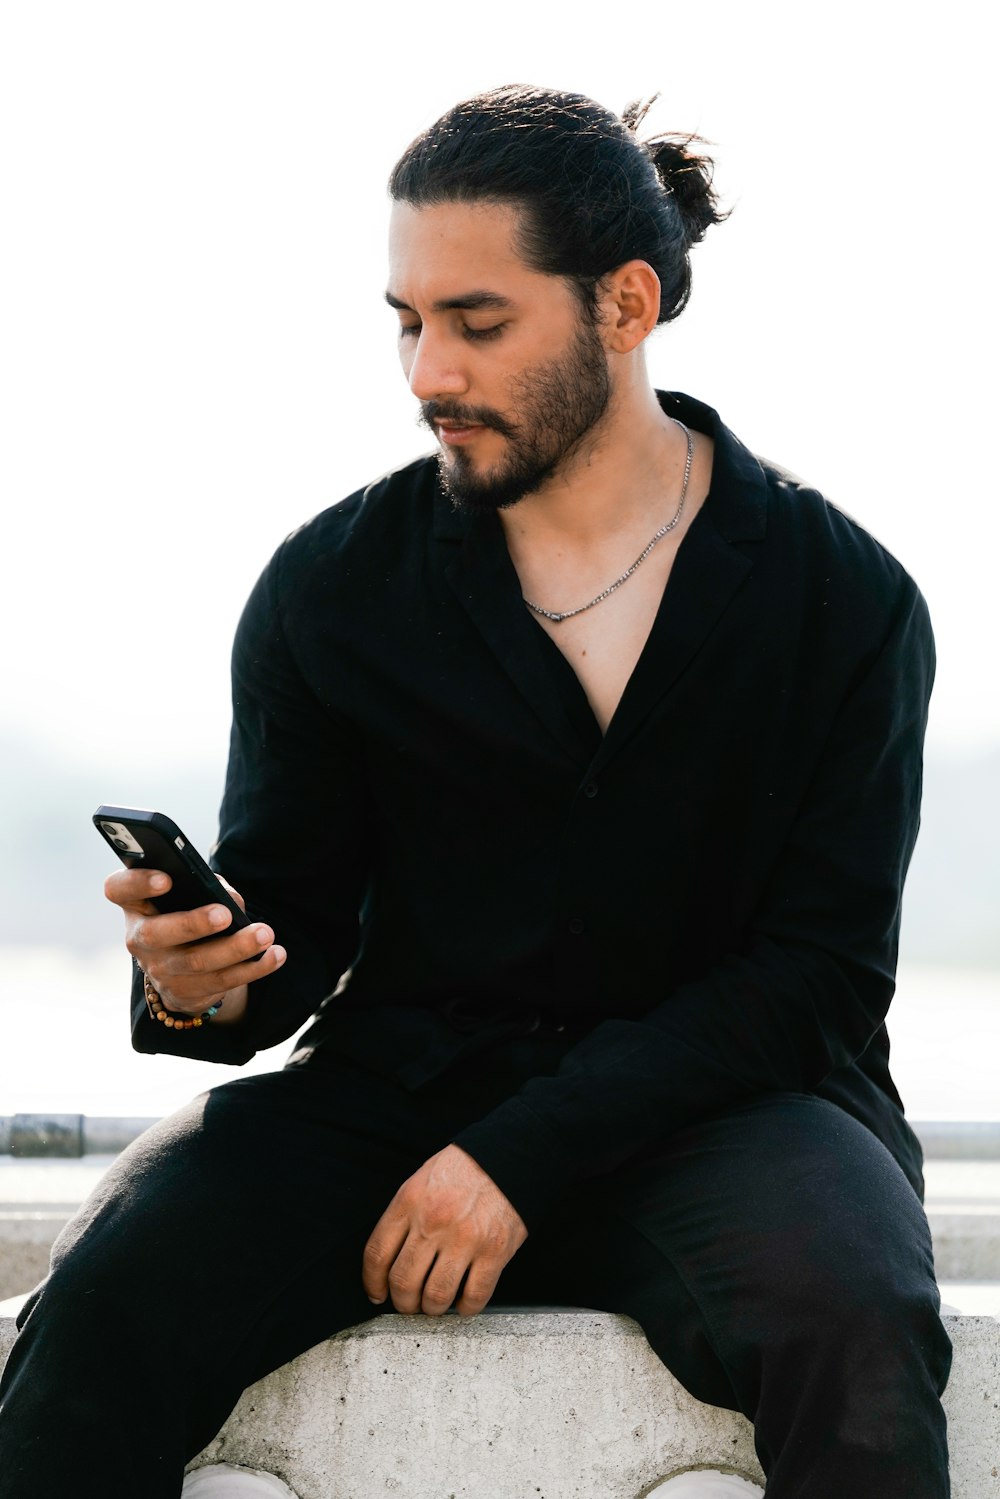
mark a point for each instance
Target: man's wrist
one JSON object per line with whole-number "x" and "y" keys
{"x": 176, "y": 1019}
{"x": 234, "y": 1006}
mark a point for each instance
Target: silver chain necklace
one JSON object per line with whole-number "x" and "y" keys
{"x": 557, "y": 618}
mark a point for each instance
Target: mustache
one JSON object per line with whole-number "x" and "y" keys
{"x": 466, "y": 416}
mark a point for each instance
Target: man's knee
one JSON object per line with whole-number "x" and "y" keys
{"x": 843, "y": 1315}
{"x": 796, "y": 1236}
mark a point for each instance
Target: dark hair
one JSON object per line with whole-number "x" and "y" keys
{"x": 592, "y": 194}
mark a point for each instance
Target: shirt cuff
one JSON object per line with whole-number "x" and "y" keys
{"x": 530, "y": 1165}
{"x": 204, "y": 1043}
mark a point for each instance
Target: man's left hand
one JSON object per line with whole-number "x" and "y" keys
{"x": 449, "y": 1223}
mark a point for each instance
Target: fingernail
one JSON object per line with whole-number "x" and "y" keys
{"x": 218, "y": 916}
{"x": 279, "y": 954}
{"x": 264, "y": 935}
{"x": 158, "y": 882}
{"x": 376, "y": 1300}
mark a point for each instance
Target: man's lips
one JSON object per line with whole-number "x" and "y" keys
{"x": 456, "y": 432}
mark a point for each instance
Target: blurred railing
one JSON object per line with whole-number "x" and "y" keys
{"x": 70, "y": 1135}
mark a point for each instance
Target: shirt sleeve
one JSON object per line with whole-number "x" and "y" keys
{"x": 292, "y": 835}
{"x": 805, "y": 994}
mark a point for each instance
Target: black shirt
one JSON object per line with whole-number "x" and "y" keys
{"x": 706, "y": 898}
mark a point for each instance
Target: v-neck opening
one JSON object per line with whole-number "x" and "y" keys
{"x": 575, "y": 702}
{"x": 575, "y": 699}
{"x": 571, "y": 690}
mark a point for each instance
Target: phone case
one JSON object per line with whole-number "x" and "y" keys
{"x": 165, "y": 847}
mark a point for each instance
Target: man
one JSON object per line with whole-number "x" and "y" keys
{"x": 587, "y": 760}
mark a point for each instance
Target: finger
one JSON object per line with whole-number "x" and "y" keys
{"x": 193, "y": 956}
{"x": 480, "y": 1284}
{"x": 442, "y": 1285}
{"x": 134, "y": 887}
{"x": 178, "y": 928}
{"x": 237, "y": 897}
{"x": 187, "y": 991}
{"x": 385, "y": 1241}
{"x": 408, "y": 1273}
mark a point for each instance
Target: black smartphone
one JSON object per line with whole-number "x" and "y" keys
{"x": 150, "y": 840}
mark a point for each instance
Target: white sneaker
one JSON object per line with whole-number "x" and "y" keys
{"x": 706, "y": 1483}
{"x": 223, "y": 1481}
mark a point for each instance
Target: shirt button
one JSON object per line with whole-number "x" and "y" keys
{"x": 590, "y": 789}
{"x": 576, "y": 926}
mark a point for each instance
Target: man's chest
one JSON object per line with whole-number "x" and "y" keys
{"x": 603, "y": 644}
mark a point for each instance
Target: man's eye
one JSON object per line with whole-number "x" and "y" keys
{"x": 409, "y": 330}
{"x": 476, "y": 334}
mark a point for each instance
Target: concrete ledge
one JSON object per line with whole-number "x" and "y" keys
{"x": 529, "y": 1404}
{"x": 966, "y": 1243}
{"x": 553, "y": 1403}
{"x": 26, "y": 1239}
{"x": 562, "y": 1403}
{"x": 955, "y": 1140}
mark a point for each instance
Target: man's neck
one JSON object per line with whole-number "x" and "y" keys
{"x": 621, "y": 480}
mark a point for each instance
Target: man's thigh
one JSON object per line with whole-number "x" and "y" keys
{"x": 740, "y": 1233}
{"x": 244, "y": 1215}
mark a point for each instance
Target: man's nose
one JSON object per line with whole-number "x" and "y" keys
{"x": 434, "y": 370}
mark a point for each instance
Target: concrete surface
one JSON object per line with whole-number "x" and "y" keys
{"x": 514, "y": 1403}
{"x": 37, "y": 1197}
{"x": 558, "y": 1404}
{"x": 963, "y": 1206}
{"x": 26, "y": 1237}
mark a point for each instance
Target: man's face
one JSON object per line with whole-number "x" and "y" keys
{"x": 510, "y": 375}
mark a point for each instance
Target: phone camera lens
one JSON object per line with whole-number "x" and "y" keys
{"x": 120, "y": 843}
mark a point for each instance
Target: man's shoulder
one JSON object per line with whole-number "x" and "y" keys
{"x": 350, "y": 552}
{"x": 805, "y": 535}
{"x": 820, "y": 534}
{"x": 381, "y": 517}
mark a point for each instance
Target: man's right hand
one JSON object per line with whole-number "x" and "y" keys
{"x": 189, "y": 980}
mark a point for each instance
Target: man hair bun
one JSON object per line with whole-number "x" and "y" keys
{"x": 685, "y": 174}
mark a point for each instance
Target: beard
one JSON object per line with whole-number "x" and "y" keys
{"x": 558, "y": 403}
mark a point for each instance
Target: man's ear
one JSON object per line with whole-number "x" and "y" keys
{"x": 629, "y": 300}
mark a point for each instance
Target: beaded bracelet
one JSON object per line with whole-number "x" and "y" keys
{"x": 169, "y": 1018}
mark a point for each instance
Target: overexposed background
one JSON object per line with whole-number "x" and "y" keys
{"x": 195, "y": 357}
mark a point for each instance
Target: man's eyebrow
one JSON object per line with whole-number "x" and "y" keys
{"x": 470, "y": 301}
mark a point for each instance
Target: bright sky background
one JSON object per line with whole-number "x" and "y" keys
{"x": 194, "y": 354}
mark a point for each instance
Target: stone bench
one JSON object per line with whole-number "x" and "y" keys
{"x": 529, "y": 1403}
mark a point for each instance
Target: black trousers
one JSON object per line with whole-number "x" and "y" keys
{"x": 776, "y": 1257}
